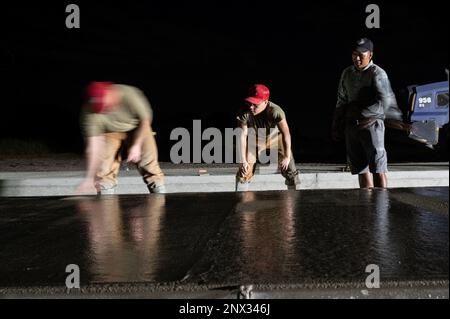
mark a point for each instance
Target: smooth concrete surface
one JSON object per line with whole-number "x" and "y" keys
{"x": 221, "y": 179}
{"x": 392, "y": 290}
{"x": 284, "y": 244}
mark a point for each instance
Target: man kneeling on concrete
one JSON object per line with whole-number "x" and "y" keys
{"x": 264, "y": 116}
{"x": 117, "y": 116}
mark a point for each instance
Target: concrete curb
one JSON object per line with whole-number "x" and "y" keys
{"x": 21, "y": 184}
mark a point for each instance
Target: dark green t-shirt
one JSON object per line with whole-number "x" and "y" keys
{"x": 269, "y": 118}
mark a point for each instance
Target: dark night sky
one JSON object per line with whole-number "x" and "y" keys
{"x": 195, "y": 61}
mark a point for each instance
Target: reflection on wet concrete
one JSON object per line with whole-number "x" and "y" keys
{"x": 312, "y": 237}
{"x": 289, "y": 237}
{"x": 121, "y": 247}
{"x": 112, "y": 239}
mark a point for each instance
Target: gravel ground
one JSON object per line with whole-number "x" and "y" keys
{"x": 63, "y": 162}
{"x": 68, "y": 162}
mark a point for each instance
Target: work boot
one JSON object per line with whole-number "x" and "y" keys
{"x": 292, "y": 182}
{"x": 103, "y": 190}
{"x": 153, "y": 189}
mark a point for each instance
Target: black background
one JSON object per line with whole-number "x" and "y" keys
{"x": 195, "y": 60}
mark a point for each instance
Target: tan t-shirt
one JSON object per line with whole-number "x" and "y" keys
{"x": 134, "y": 107}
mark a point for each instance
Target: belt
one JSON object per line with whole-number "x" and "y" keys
{"x": 362, "y": 123}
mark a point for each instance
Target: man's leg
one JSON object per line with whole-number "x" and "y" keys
{"x": 106, "y": 177}
{"x": 377, "y": 154}
{"x": 380, "y": 180}
{"x": 148, "y": 166}
{"x": 365, "y": 180}
{"x": 356, "y": 155}
{"x": 291, "y": 173}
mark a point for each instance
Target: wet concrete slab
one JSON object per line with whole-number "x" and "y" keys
{"x": 308, "y": 238}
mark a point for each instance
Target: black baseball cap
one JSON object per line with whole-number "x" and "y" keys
{"x": 363, "y": 45}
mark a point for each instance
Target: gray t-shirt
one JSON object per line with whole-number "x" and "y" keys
{"x": 367, "y": 93}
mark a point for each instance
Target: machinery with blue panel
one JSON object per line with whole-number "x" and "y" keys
{"x": 429, "y": 112}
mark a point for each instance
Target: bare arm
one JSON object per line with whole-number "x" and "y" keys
{"x": 140, "y": 132}
{"x": 286, "y": 139}
{"x": 242, "y": 152}
{"x": 94, "y": 149}
{"x": 134, "y": 153}
{"x": 243, "y": 143}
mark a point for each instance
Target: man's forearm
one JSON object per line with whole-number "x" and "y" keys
{"x": 92, "y": 163}
{"x": 140, "y": 132}
{"x": 286, "y": 138}
{"x": 243, "y": 148}
{"x": 94, "y": 150}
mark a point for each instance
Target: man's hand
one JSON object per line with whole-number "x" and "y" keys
{"x": 134, "y": 154}
{"x": 398, "y": 125}
{"x": 244, "y": 167}
{"x": 86, "y": 187}
{"x": 366, "y": 122}
{"x": 284, "y": 163}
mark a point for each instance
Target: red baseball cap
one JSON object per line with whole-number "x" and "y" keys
{"x": 258, "y": 93}
{"x": 96, "y": 92}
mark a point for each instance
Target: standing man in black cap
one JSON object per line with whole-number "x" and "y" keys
{"x": 364, "y": 97}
